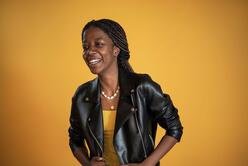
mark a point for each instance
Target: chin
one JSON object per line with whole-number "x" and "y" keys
{"x": 98, "y": 70}
{"x": 95, "y": 71}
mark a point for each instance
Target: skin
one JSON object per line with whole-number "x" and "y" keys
{"x": 98, "y": 46}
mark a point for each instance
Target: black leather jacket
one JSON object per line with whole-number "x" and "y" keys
{"x": 142, "y": 105}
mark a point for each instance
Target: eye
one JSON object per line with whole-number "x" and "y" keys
{"x": 85, "y": 47}
{"x": 99, "y": 44}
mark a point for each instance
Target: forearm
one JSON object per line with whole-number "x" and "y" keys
{"x": 164, "y": 146}
{"x": 81, "y": 155}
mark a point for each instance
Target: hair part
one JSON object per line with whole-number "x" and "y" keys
{"x": 117, "y": 34}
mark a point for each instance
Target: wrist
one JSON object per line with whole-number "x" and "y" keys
{"x": 148, "y": 162}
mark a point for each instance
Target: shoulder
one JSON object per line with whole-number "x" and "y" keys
{"x": 82, "y": 89}
{"x": 145, "y": 80}
{"x": 148, "y": 87}
{"x": 139, "y": 76}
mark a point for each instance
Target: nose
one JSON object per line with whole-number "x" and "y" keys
{"x": 90, "y": 51}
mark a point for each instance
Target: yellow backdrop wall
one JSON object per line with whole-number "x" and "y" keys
{"x": 196, "y": 50}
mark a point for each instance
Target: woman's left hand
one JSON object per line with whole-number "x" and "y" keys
{"x": 132, "y": 164}
{"x": 137, "y": 164}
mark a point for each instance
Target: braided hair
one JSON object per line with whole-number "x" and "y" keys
{"x": 118, "y": 36}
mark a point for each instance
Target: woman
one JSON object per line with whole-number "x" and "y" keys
{"x": 114, "y": 117}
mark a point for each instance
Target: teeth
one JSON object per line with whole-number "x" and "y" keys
{"x": 94, "y": 61}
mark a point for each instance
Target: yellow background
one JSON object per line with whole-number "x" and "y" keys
{"x": 196, "y": 50}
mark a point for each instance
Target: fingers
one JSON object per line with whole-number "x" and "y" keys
{"x": 98, "y": 161}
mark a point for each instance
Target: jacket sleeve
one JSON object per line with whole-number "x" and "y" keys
{"x": 163, "y": 109}
{"x": 76, "y": 138}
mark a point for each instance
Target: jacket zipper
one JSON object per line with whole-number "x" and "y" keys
{"x": 95, "y": 139}
{"x": 142, "y": 141}
{"x": 136, "y": 120}
{"x": 151, "y": 139}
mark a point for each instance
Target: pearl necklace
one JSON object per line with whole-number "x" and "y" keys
{"x": 113, "y": 96}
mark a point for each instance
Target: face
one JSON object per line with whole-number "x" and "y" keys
{"x": 100, "y": 54}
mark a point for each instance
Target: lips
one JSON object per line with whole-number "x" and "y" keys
{"x": 92, "y": 62}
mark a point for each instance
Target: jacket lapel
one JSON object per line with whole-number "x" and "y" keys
{"x": 95, "y": 120}
{"x": 125, "y": 107}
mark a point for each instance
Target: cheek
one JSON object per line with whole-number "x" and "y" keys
{"x": 84, "y": 57}
{"x": 108, "y": 53}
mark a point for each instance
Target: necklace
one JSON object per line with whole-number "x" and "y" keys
{"x": 113, "y": 96}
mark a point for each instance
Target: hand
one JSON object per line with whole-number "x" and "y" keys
{"x": 137, "y": 164}
{"x": 132, "y": 164}
{"x": 98, "y": 161}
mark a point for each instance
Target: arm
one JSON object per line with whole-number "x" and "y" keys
{"x": 77, "y": 143}
{"x": 81, "y": 155}
{"x": 167, "y": 116}
{"x": 76, "y": 140}
{"x": 164, "y": 146}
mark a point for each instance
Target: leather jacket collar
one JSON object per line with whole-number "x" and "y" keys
{"x": 125, "y": 89}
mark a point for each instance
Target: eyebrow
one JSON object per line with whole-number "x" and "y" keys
{"x": 99, "y": 38}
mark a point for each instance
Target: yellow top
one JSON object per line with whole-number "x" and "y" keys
{"x": 109, "y": 153}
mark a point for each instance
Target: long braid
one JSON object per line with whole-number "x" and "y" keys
{"x": 117, "y": 35}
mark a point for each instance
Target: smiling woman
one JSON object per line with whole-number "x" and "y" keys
{"x": 117, "y": 113}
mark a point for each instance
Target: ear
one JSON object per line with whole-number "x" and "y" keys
{"x": 116, "y": 51}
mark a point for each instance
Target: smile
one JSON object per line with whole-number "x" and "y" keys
{"x": 94, "y": 61}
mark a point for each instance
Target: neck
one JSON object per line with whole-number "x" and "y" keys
{"x": 109, "y": 82}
